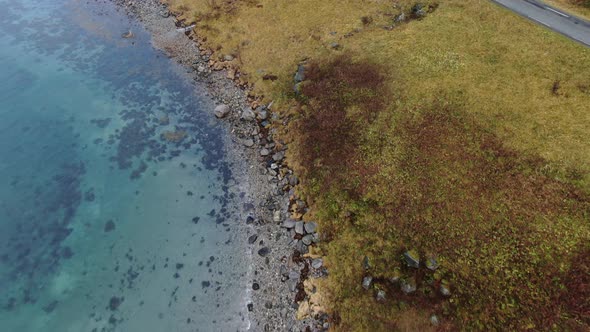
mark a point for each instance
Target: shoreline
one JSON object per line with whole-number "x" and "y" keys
{"x": 264, "y": 187}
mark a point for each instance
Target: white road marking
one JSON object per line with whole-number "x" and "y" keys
{"x": 545, "y": 24}
{"x": 556, "y": 12}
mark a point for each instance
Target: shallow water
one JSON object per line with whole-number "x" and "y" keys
{"x": 104, "y": 224}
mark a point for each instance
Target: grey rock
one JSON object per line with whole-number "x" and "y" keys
{"x": 412, "y": 259}
{"x": 432, "y": 264}
{"x": 315, "y": 237}
{"x": 380, "y": 296}
{"x": 317, "y": 263}
{"x": 262, "y": 114}
{"x": 297, "y": 88}
{"x": 301, "y": 247}
{"x": 292, "y": 285}
{"x": 310, "y": 227}
{"x": 434, "y": 320}
{"x": 278, "y": 156}
{"x": 264, "y": 152}
{"x": 293, "y": 180}
{"x": 264, "y": 251}
{"x": 335, "y": 46}
{"x": 276, "y": 217}
{"x": 249, "y": 143}
{"x": 307, "y": 240}
{"x": 400, "y": 18}
{"x": 367, "y": 282}
{"x": 300, "y": 74}
{"x": 408, "y": 286}
{"x": 288, "y": 224}
{"x": 294, "y": 275}
{"x": 284, "y": 271}
{"x": 228, "y": 57}
{"x": 444, "y": 290}
{"x": 248, "y": 115}
{"x": 252, "y": 238}
{"x": 299, "y": 227}
{"x": 418, "y": 11}
{"x": 221, "y": 111}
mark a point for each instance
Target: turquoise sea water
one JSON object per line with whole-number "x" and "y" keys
{"x": 105, "y": 225}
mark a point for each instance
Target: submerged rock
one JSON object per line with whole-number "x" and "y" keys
{"x": 252, "y": 238}
{"x": 109, "y": 226}
{"x": 264, "y": 251}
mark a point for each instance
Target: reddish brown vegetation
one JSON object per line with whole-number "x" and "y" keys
{"x": 329, "y": 134}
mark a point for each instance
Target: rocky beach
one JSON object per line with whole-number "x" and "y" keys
{"x": 279, "y": 241}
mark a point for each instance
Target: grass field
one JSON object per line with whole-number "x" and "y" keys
{"x": 461, "y": 135}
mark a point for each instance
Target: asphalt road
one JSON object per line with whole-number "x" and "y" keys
{"x": 551, "y": 17}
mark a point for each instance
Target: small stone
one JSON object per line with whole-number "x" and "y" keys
{"x": 307, "y": 240}
{"x": 228, "y": 57}
{"x": 221, "y": 111}
{"x": 317, "y": 263}
{"x": 249, "y": 143}
{"x": 248, "y": 115}
{"x": 278, "y": 156}
{"x": 292, "y": 285}
{"x": 128, "y": 35}
{"x": 249, "y": 220}
{"x": 277, "y": 216}
{"x": 444, "y": 290}
{"x": 408, "y": 287}
{"x": 434, "y": 320}
{"x": 315, "y": 237}
{"x": 335, "y": 46}
{"x": 264, "y": 152}
{"x": 431, "y": 264}
{"x": 300, "y": 74}
{"x": 284, "y": 271}
{"x": 252, "y": 238}
{"x": 380, "y": 295}
{"x": 293, "y": 180}
{"x": 412, "y": 258}
{"x": 310, "y": 227}
{"x": 367, "y": 281}
{"x": 400, "y": 18}
{"x": 264, "y": 251}
{"x": 288, "y": 224}
{"x": 255, "y": 286}
{"x": 294, "y": 275}
{"x": 262, "y": 114}
{"x": 250, "y": 306}
{"x": 299, "y": 227}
